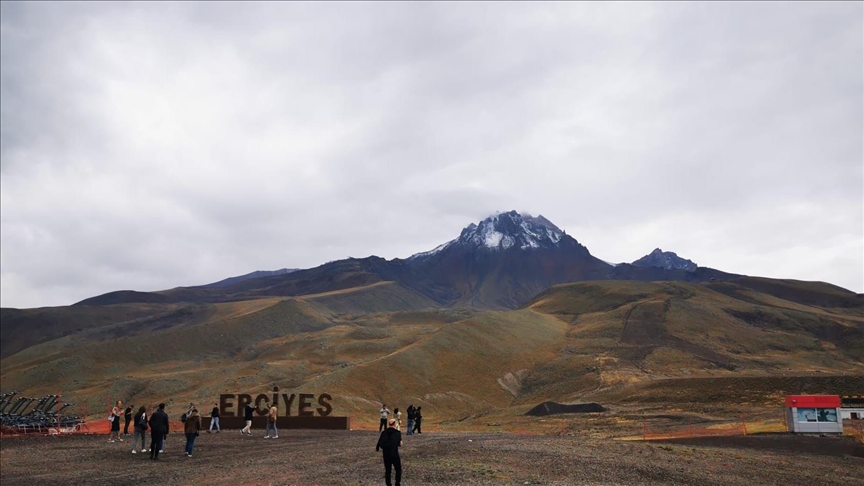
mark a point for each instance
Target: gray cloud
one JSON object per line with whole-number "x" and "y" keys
{"x": 147, "y": 146}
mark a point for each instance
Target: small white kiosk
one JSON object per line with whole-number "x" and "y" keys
{"x": 814, "y": 414}
{"x": 852, "y": 407}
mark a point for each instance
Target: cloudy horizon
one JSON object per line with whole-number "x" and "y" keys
{"x": 148, "y": 146}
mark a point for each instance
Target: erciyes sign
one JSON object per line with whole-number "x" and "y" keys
{"x": 305, "y": 404}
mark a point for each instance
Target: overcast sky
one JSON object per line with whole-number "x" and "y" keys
{"x": 149, "y": 146}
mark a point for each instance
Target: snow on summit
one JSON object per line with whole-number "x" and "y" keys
{"x": 503, "y": 231}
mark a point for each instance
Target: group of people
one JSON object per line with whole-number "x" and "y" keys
{"x": 159, "y": 427}
{"x": 390, "y": 439}
{"x": 414, "y": 416}
{"x": 270, "y": 424}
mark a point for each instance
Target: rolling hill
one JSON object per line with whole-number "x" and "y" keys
{"x": 600, "y": 341}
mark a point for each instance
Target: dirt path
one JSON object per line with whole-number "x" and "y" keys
{"x": 339, "y": 457}
{"x": 783, "y": 443}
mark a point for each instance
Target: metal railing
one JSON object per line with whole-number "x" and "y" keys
{"x": 23, "y": 415}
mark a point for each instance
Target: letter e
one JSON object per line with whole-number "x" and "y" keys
{"x": 226, "y": 403}
{"x": 305, "y": 403}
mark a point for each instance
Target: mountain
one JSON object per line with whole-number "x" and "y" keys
{"x": 502, "y": 232}
{"x": 499, "y": 263}
{"x": 665, "y": 259}
{"x": 511, "y": 313}
{"x": 505, "y": 260}
{"x": 256, "y": 274}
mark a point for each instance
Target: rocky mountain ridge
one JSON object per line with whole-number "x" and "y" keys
{"x": 500, "y": 262}
{"x": 665, "y": 259}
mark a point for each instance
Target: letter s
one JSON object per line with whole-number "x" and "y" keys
{"x": 323, "y": 400}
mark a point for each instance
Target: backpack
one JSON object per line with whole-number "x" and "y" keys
{"x": 142, "y": 422}
{"x": 183, "y": 418}
{"x": 111, "y": 418}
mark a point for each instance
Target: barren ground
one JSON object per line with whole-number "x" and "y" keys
{"x": 305, "y": 457}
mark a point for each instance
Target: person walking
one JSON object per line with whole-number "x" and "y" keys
{"x": 384, "y": 414}
{"x": 409, "y": 414}
{"x": 127, "y": 415}
{"x": 114, "y": 418}
{"x": 192, "y": 429}
{"x": 214, "y": 419}
{"x": 159, "y": 429}
{"x": 418, "y": 420}
{"x": 249, "y": 410}
{"x": 271, "y": 422}
{"x": 139, "y": 426}
{"x": 389, "y": 442}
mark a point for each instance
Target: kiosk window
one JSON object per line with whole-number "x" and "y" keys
{"x": 817, "y": 415}
{"x": 827, "y": 414}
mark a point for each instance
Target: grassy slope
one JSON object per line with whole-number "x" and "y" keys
{"x": 459, "y": 368}
{"x": 23, "y": 328}
{"x": 640, "y": 333}
{"x": 603, "y": 341}
{"x": 205, "y": 349}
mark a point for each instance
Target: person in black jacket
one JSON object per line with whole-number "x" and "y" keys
{"x": 127, "y": 414}
{"x": 410, "y": 415}
{"x": 389, "y": 442}
{"x": 249, "y": 410}
{"x": 140, "y": 427}
{"x": 158, "y": 430}
{"x": 214, "y": 419}
{"x": 418, "y": 418}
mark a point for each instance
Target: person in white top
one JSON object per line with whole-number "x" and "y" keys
{"x": 385, "y": 412}
{"x": 397, "y": 416}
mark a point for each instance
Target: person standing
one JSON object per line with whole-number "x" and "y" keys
{"x": 397, "y": 415}
{"x": 418, "y": 419}
{"x": 187, "y": 412}
{"x": 389, "y": 442}
{"x": 271, "y": 422}
{"x": 192, "y": 429}
{"x": 384, "y": 414}
{"x": 114, "y": 418}
{"x": 214, "y": 419}
{"x": 139, "y": 426}
{"x": 410, "y": 416}
{"x": 249, "y": 410}
{"x": 127, "y": 415}
{"x": 158, "y": 430}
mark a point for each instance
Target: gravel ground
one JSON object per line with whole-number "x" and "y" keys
{"x": 306, "y": 457}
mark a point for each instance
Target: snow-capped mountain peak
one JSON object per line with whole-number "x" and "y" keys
{"x": 512, "y": 229}
{"x": 504, "y": 231}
